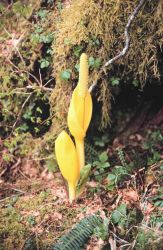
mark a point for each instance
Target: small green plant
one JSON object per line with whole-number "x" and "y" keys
{"x": 42, "y": 14}
{"x": 117, "y": 174}
{"x": 94, "y": 41}
{"x": 119, "y": 215}
{"x": 44, "y": 63}
{"x": 101, "y": 165}
{"x": 115, "y": 81}
{"x": 84, "y": 175}
{"x": 77, "y": 50}
{"x": 65, "y": 75}
{"x": 94, "y": 63}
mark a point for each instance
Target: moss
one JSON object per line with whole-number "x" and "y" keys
{"x": 12, "y": 231}
{"x": 97, "y": 28}
{"x": 23, "y": 218}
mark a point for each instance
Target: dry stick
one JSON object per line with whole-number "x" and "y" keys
{"x": 127, "y": 42}
{"x": 34, "y": 77}
{"x": 19, "y": 114}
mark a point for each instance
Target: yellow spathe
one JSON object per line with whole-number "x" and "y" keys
{"x": 83, "y": 75}
{"x": 66, "y": 157}
{"x": 68, "y": 161}
{"x": 70, "y": 157}
{"x": 79, "y": 114}
{"x": 80, "y": 110}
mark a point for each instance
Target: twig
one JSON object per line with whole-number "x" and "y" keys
{"x": 16, "y": 164}
{"x": 30, "y": 86}
{"x": 127, "y": 42}
{"x": 118, "y": 238}
{"x": 19, "y": 114}
{"x": 19, "y": 191}
{"x": 24, "y": 175}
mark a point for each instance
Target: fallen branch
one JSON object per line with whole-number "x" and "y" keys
{"x": 127, "y": 42}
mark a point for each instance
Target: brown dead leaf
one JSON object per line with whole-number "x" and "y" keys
{"x": 57, "y": 215}
{"x": 92, "y": 184}
{"x": 130, "y": 195}
{"x": 30, "y": 169}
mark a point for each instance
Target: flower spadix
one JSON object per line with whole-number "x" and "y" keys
{"x": 80, "y": 110}
{"x": 68, "y": 161}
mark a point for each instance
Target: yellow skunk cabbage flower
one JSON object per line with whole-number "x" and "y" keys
{"x": 68, "y": 162}
{"x": 80, "y": 110}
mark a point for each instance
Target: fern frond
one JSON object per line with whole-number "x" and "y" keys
{"x": 78, "y": 235}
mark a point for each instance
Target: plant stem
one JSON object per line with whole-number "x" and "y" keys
{"x": 72, "y": 192}
{"x": 80, "y": 152}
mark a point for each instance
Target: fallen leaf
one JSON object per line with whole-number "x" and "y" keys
{"x": 57, "y": 215}
{"x": 130, "y": 195}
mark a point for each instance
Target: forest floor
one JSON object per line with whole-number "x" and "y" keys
{"x": 125, "y": 183}
{"x": 35, "y": 212}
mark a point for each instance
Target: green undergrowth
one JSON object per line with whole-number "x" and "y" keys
{"x": 23, "y": 217}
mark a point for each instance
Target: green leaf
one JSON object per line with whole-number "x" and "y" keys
{"x": 91, "y": 61}
{"x": 44, "y": 63}
{"x": 65, "y": 75}
{"x": 24, "y": 127}
{"x": 103, "y": 157}
{"x": 77, "y": 50}
{"x": 105, "y": 165}
{"x": 39, "y": 110}
{"x": 77, "y": 66}
{"x": 97, "y": 63}
{"x": 48, "y": 38}
{"x": 116, "y": 216}
{"x": 115, "y": 81}
{"x": 122, "y": 209}
{"x": 38, "y": 29}
{"x": 158, "y": 204}
{"x": 99, "y": 143}
{"x": 42, "y": 13}
{"x": 96, "y": 172}
{"x": 119, "y": 213}
{"x": 135, "y": 83}
{"x": 161, "y": 167}
{"x": 84, "y": 174}
{"x": 101, "y": 170}
{"x": 111, "y": 177}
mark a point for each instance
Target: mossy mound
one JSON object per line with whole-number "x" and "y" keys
{"x": 97, "y": 28}
{"x": 33, "y": 219}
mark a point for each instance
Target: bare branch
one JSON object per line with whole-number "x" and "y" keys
{"x": 127, "y": 41}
